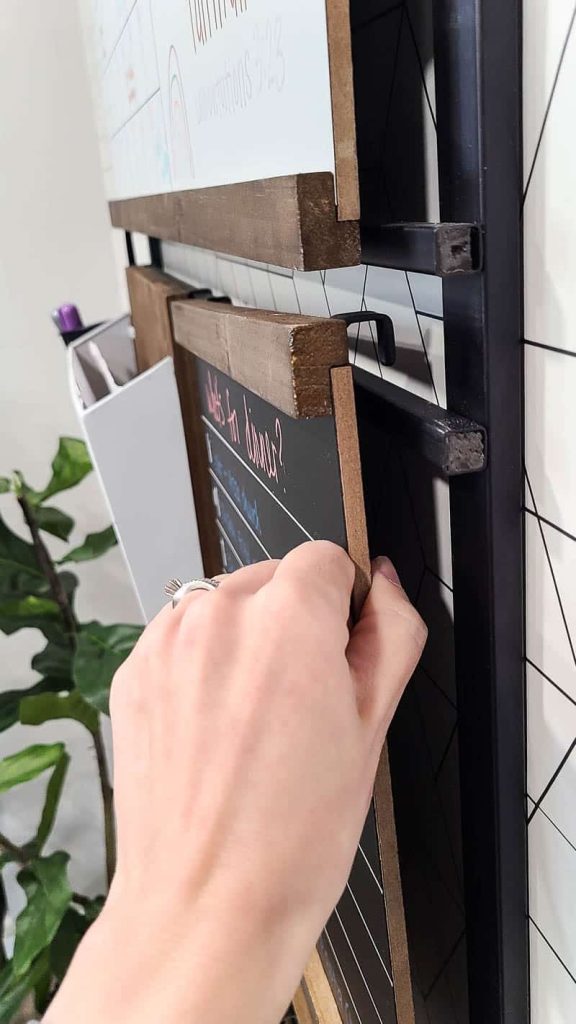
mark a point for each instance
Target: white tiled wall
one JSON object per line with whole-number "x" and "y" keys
{"x": 550, "y": 361}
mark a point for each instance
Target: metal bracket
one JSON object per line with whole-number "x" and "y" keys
{"x": 440, "y": 249}
{"x": 452, "y": 443}
{"x": 385, "y": 338}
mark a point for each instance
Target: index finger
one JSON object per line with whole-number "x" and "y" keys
{"x": 319, "y": 568}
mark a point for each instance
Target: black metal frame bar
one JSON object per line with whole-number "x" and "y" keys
{"x": 441, "y": 249}
{"x": 449, "y": 442}
{"x": 478, "y": 106}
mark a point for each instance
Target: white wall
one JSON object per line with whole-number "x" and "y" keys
{"x": 56, "y": 246}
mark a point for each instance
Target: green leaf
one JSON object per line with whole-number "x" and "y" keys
{"x": 35, "y": 710}
{"x": 20, "y": 574}
{"x": 14, "y": 988}
{"x": 100, "y": 650}
{"x": 73, "y": 927}
{"x": 55, "y": 660}
{"x": 70, "y": 465}
{"x": 51, "y": 801}
{"x": 96, "y": 544}
{"x": 4, "y": 484}
{"x": 10, "y": 699}
{"x": 48, "y": 897}
{"x": 5, "y": 858}
{"x": 28, "y": 613}
{"x": 53, "y": 521}
{"x": 27, "y": 764}
{"x": 43, "y": 985}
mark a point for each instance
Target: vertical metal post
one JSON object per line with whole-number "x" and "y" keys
{"x": 155, "y": 252}
{"x": 129, "y": 248}
{"x": 478, "y": 90}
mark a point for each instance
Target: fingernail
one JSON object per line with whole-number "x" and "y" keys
{"x": 384, "y": 566}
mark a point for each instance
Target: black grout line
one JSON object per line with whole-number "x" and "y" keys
{"x": 559, "y": 599}
{"x": 551, "y": 681}
{"x": 549, "y": 348}
{"x": 549, "y": 104}
{"x": 421, "y": 66}
{"x": 552, "y": 822}
{"x": 551, "y": 781}
{"x": 542, "y": 519}
{"x": 551, "y": 947}
{"x": 422, "y": 338}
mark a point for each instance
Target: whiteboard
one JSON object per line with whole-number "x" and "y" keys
{"x": 196, "y": 93}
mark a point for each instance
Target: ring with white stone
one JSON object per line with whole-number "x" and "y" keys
{"x": 177, "y": 590}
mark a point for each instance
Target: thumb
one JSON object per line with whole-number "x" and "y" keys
{"x": 385, "y": 645}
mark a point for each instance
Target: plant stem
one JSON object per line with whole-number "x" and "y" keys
{"x": 107, "y": 803}
{"x": 49, "y": 569}
{"x": 17, "y": 852}
{"x": 71, "y": 626}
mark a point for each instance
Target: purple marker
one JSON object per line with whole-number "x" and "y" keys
{"x": 69, "y": 317}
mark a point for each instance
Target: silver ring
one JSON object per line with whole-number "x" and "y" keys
{"x": 177, "y": 590}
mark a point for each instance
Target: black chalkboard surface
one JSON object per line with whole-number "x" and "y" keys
{"x": 276, "y": 483}
{"x": 282, "y": 467}
{"x": 276, "y": 480}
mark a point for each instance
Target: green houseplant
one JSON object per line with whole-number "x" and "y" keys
{"x": 75, "y": 669}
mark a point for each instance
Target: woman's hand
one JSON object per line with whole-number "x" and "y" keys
{"x": 248, "y": 724}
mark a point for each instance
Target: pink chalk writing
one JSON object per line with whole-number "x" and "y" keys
{"x": 220, "y": 408}
{"x": 264, "y": 451}
{"x": 263, "y": 447}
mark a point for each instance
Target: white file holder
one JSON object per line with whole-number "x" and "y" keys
{"x": 133, "y": 428}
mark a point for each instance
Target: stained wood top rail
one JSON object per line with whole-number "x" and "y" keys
{"x": 284, "y": 358}
{"x": 289, "y": 221}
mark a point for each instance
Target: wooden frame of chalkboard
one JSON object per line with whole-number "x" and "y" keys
{"x": 274, "y": 399}
{"x": 306, "y": 221}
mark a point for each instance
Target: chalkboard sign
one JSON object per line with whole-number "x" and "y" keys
{"x": 220, "y": 117}
{"x": 276, "y": 480}
{"x": 282, "y": 472}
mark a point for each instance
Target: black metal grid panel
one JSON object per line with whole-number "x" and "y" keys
{"x": 478, "y": 88}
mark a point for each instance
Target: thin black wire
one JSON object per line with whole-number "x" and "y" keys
{"x": 421, "y": 66}
{"x": 376, "y": 17}
{"x": 438, "y": 975}
{"x": 422, "y": 339}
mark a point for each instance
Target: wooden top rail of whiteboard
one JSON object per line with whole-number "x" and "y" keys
{"x": 290, "y": 221}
